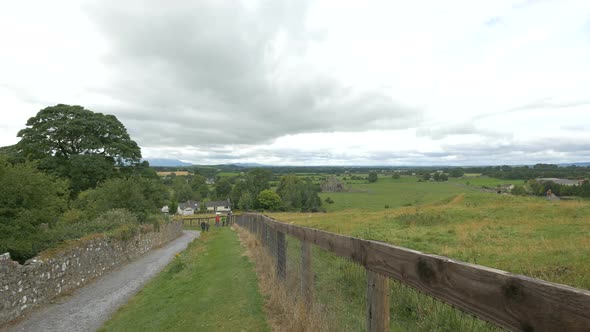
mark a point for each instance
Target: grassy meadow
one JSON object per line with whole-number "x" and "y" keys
{"x": 484, "y": 181}
{"x": 527, "y": 235}
{"x": 545, "y": 239}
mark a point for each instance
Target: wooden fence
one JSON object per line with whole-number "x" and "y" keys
{"x": 211, "y": 220}
{"x": 510, "y": 301}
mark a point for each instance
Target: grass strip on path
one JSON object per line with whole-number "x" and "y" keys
{"x": 210, "y": 286}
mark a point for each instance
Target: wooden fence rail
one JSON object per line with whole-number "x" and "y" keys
{"x": 229, "y": 219}
{"x": 511, "y": 301}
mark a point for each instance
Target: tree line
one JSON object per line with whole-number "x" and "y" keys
{"x": 249, "y": 191}
{"x": 72, "y": 173}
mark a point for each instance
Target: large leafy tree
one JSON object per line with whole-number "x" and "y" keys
{"x": 297, "y": 193}
{"x": 78, "y": 144}
{"x": 182, "y": 189}
{"x": 28, "y": 199}
{"x": 268, "y": 200}
{"x": 249, "y": 186}
{"x": 223, "y": 188}
{"x": 372, "y": 177}
{"x": 258, "y": 179}
{"x": 139, "y": 195}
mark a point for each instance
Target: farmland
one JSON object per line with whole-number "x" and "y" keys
{"x": 526, "y": 235}
{"x": 545, "y": 239}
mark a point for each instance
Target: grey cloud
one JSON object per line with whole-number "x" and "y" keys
{"x": 205, "y": 72}
{"x": 550, "y": 149}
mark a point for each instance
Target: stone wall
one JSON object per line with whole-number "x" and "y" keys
{"x": 70, "y": 266}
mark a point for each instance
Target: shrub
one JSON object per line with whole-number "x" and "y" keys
{"x": 519, "y": 190}
{"x": 125, "y": 232}
{"x": 111, "y": 220}
{"x": 138, "y": 195}
{"x": 268, "y": 200}
{"x": 372, "y": 177}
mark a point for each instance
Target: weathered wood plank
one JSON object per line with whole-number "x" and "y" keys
{"x": 281, "y": 256}
{"x": 306, "y": 274}
{"x": 512, "y": 301}
{"x": 377, "y": 302}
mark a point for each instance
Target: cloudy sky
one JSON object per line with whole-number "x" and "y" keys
{"x": 297, "y": 82}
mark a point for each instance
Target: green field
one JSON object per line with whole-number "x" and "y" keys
{"x": 527, "y": 235}
{"x": 545, "y": 239}
{"x": 210, "y": 286}
{"x": 228, "y": 174}
{"x": 406, "y": 191}
{"x": 484, "y": 181}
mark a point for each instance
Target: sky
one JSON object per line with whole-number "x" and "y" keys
{"x": 302, "y": 82}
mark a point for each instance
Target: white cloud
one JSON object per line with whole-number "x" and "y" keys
{"x": 311, "y": 82}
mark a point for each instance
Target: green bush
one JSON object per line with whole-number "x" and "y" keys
{"x": 138, "y": 195}
{"x": 118, "y": 223}
{"x": 125, "y": 232}
{"x": 268, "y": 199}
{"x": 372, "y": 177}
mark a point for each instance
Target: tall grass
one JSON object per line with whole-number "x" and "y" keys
{"x": 524, "y": 235}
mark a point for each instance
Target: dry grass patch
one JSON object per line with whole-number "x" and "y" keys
{"x": 286, "y": 310}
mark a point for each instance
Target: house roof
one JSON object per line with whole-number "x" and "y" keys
{"x": 565, "y": 182}
{"x": 189, "y": 204}
{"x": 195, "y": 205}
{"x": 217, "y": 203}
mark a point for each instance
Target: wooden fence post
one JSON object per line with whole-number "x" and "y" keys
{"x": 259, "y": 229}
{"x": 377, "y": 302}
{"x": 306, "y": 274}
{"x": 273, "y": 243}
{"x": 281, "y": 256}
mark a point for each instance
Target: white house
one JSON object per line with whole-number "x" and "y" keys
{"x": 187, "y": 208}
{"x": 219, "y": 206}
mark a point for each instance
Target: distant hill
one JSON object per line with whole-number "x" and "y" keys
{"x": 248, "y": 165}
{"x": 167, "y": 162}
{"x": 583, "y": 164}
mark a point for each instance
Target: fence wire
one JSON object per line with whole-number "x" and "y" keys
{"x": 338, "y": 288}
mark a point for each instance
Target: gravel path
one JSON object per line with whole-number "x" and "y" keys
{"x": 89, "y": 307}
